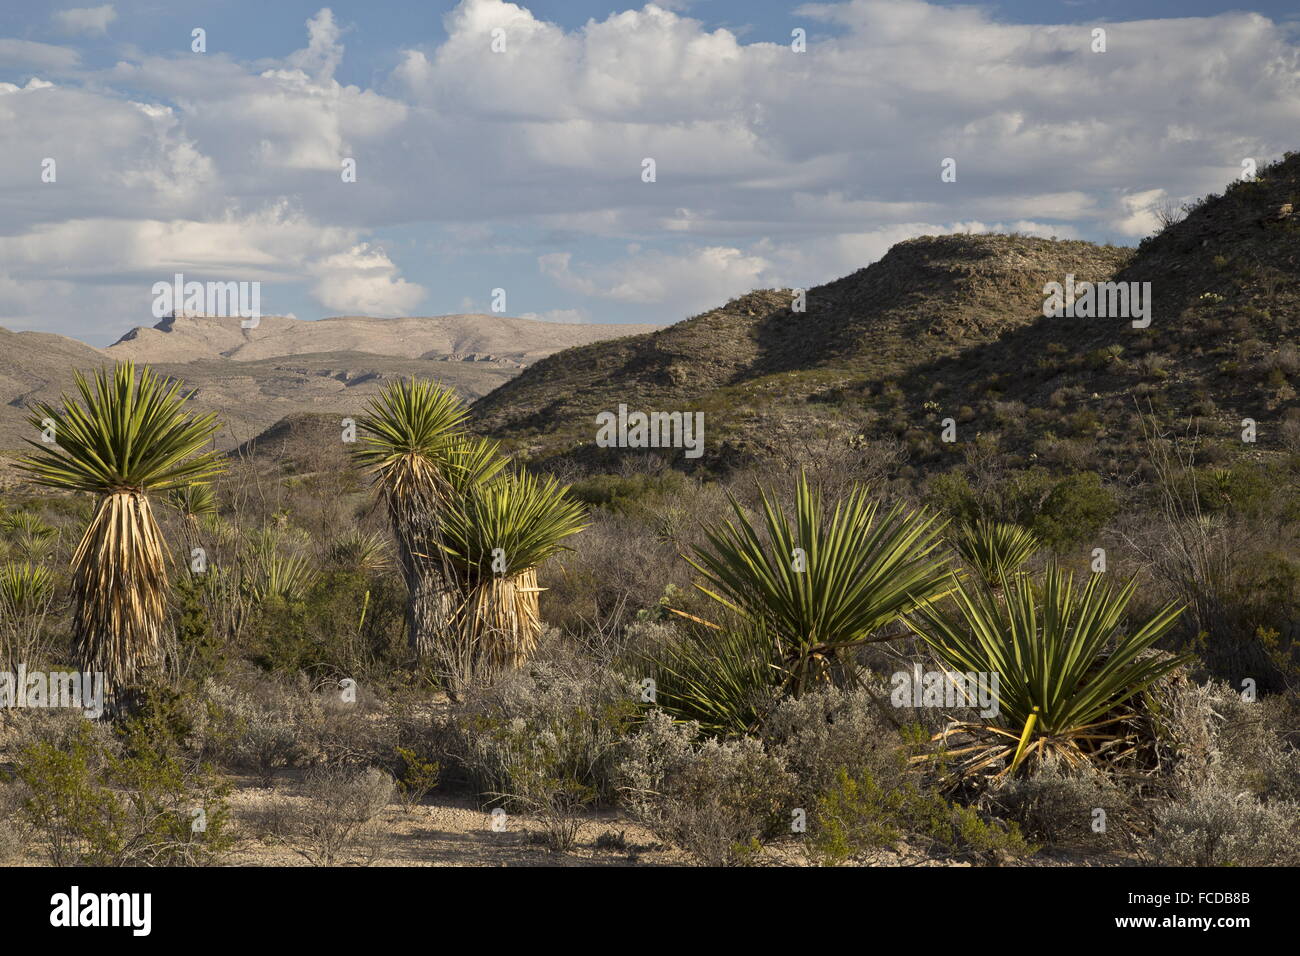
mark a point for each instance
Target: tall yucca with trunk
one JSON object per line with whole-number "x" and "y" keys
{"x": 496, "y": 536}
{"x": 419, "y": 459}
{"x": 127, "y": 438}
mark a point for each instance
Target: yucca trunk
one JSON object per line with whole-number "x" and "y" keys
{"x": 429, "y": 608}
{"x": 191, "y": 535}
{"x": 430, "y": 603}
{"x": 119, "y": 587}
{"x": 501, "y": 621}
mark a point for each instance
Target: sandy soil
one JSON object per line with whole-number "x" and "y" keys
{"x": 447, "y": 831}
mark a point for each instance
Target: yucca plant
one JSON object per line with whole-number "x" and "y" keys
{"x": 127, "y": 438}
{"x": 366, "y": 552}
{"x": 822, "y": 584}
{"x": 193, "y": 502}
{"x": 28, "y": 534}
{"x": 725, "y": 678}
{"x": 495, "y": 537}
{"x": 274, "y": 565}
{"x": 25, "y": 588}
{"x": 1067, "y": 665}
{"x": 994, "y": 549}
{"x": 26, "y": 598}
{"x": 419, "y": 459}
{"x": 279, "y": 576}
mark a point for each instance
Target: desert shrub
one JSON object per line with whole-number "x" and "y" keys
{"x": 261, "y": 730}
{"x": 199, "y": 653}
{"x": 176, "y": 811}
{"x": 637, "y": 494}
{"x": 57, "y": 726}
{"x": 1213, "y": 733}
{"x": 1077, "y": 508}
{"x": 951, "y": 495}
{"x": 1210, "y": 824}
{"x": 1057, "y": 805}
{"x": 830, "y": 730}
{"x": 418, "y": 777}
{"x": 716, "y": 799}
{"x": 338, "y": 820}
{"x": 859, "y": 814}
{"x": 15, "y": 826}
{"x": 541, "y": 763}
{"x": 79, "y": 821}
{"x": 355, "y": 733}
{"x": 543, "y": 734}
{"x": 619, "y": 566}
{"x": 342, "y": 623}
{"x": 151, "y": 810}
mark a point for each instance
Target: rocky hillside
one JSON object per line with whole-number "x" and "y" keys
{"x": 953, "y": 327}
{"x": 925, "y": 298}
{"x": 1220, "y": 348}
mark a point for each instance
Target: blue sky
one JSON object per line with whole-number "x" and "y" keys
{"x": 522, "y": 168}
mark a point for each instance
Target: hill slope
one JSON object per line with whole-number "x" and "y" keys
{"x": 953, "y": 327}
{"x": 1221, "y": 346}
{"x": 35, "y": 366}
{"x": 925, "y": 298}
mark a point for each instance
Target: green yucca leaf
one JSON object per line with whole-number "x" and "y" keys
{"x": 194, "y": 501}
{"x": 1057, "y": 647}
{"x": 412, "y": 444}
{"x": 283, "y": 576}
{"x": 125, "y": 435}
{"x": 471, "y": 462}
{"x": 994, "y": 548}
{"x": 28, "y": 533}
{"x": 724, "y": 678}
{"x": 360, "y": 551}
{"x": 797, "y": 595}
{"x": 823, "y": 582}
{"x": 525, "y": 517}
{"x": 24, "y": 587}
{"x": 25, "y": 524}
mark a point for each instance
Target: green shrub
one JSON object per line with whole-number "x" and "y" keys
{"x": 858, "y": 815}
{"x": 419, "y": 776}
{"x": 1078, "y": 507}
{"x": 150, "y": 810}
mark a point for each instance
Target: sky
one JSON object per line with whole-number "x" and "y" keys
{"x": 523, "y": 167}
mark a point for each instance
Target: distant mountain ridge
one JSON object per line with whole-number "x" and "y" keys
{"x": 940, "y": 328}
{"x": 189, "y": 338}
{"x": 286, "y": 368}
